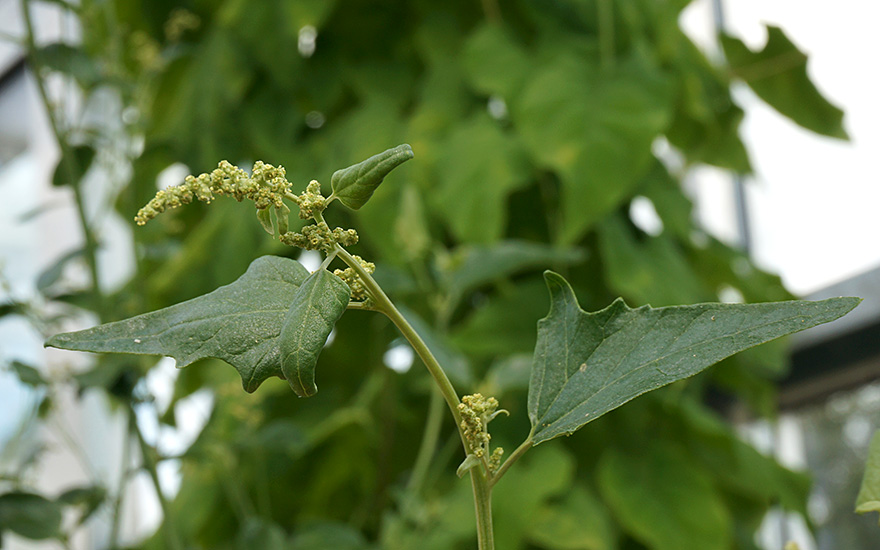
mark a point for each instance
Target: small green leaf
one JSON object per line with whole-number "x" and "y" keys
{"x": 470, "y": 461}
{"x": 265, "y": 217}
{"x": 73, "y": 166}
{"x": 27, "y": 374}
{"x": 88, "y": 498}
{"x": 282, "y": 214}
{"x": 778, "y": 74}
{"x": 316, "y": 306}
{"x": 869, "y": 495}
{"x": 30, "y": 515}
{"x": 238, "y": 323}
{"x": 354, "y": 185}
{"x": 51, "y": 274}
{"x": 587, "y": 364}
{"x": 70, "y": 60}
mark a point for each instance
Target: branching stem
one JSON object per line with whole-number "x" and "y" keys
{"x": 479, "y": 479}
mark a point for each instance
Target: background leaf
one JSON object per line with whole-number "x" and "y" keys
{"x": 778, "y": 74}
{"x": 659, "y": 495}
{"x": 30, "y": 515}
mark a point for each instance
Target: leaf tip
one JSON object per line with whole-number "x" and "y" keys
{"x": 58, "y": 341}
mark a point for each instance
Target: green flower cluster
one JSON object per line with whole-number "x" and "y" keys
{"x": 351, "y": 278}
{"x": 320, "y": 237}
{"x": 266, "y": 186}
{"x": 476, "y": 413}
{"x": 310, "y": 201}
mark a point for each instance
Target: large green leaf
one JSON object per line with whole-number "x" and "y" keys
{"x": 317, "y": 305}
{"x": 869, "y": 495}
{"x": 587, "y": 364}
{"x": 778, "y": 74}
{"x": 238, "y": 323}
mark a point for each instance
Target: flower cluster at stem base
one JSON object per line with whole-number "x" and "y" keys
{"x": 353, "y": 280}
{"x": 476, "y": 413}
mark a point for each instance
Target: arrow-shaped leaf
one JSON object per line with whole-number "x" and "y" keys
{"x": 587, "y": 364}
{"x": 238, "y": 323}
{"x": 316, "y": 306}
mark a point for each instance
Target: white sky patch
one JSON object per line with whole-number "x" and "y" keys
{"x": 813, "y": 201}
{"x": 399, "y": 358}
{"x": 644, "y": 216}
{"x": 310, "y": 259}
{"x": 173, "y": 175}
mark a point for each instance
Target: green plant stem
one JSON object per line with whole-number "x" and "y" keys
{"x": 123, "y": 481}
{"x": 172, "y": 541}
{"x": 383, "y": 304}
{"x": 482, "y": 490}
{"x": 483, "y": 507}
{"x": 91, "y": 243}
{"x": 428, "y": 447}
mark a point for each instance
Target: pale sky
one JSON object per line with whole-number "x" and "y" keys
{"x": 813, "y": 201}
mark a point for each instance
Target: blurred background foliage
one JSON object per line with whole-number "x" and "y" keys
{"x": 535, "y": 125}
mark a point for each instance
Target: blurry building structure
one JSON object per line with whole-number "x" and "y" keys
{"x": 810, "y": 216}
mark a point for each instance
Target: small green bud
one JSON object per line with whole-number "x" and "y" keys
{"x": 354, "y": 186}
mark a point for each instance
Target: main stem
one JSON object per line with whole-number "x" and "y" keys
{"x": 479, "y": 479}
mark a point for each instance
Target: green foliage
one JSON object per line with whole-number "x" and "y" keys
{"x": 534, "y": 128}
{"x": 869, "y": 494}
{"x": 587, "y": 364}
{"x": 660, "y": 496}
{"x": 30, "y": 515}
